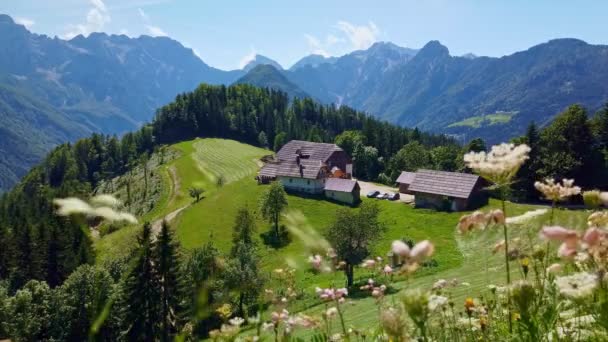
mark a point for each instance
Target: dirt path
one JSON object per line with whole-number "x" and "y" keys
{"x": 158, "y": 224}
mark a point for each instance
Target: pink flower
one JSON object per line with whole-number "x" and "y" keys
{"x": 592, "y": 236}
{"x": 315, "y": 261}
{"x": 376, "y": 293}
{"x": 421, "y": 250}
{"x": 400, "y": 248}
{"x": 497, "y": 216}
{"x": 566, "y": 251}
{"x": 369, "y": 263}
{"x": 388, "y": 270}
{"x": 557, "y": 233}
{"x": 554, "y": 268}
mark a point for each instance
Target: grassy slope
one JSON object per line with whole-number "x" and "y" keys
{"x": 486, "y": 120}
{"x": 202, "y": 161}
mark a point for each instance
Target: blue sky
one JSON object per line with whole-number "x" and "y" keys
{"x": 225, "y": 34}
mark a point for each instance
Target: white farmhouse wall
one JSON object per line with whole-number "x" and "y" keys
{"x": 311, "y": 186}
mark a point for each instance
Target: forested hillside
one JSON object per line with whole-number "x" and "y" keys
{"x": 53, "y": 91}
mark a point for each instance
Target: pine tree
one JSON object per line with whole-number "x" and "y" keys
{"x": 166, "y": 261}
{"x": 141, "y": 293}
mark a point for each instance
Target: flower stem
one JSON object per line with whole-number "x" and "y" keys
{"x": 504, "y": 229}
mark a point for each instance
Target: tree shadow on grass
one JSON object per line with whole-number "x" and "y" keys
{"x": 270, "y": 239}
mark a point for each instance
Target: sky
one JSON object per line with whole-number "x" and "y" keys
{"x": 226, "y": 34}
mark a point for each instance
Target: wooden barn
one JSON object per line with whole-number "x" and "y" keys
{"x": 451, "y": 191}
{"x": 404, "y": 181}
{"x": 343, "y": 190}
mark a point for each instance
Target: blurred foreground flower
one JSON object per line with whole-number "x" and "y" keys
{"x": 102, "y": 206}
{"x": 500, "y": 164}
{"x": 556, "y": 192}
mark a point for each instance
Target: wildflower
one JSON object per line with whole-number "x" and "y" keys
{"x": 387, "y": 270}
{"x": 369, "y": 263}
{"x": 554, "y": 268}
{"x": 436, "y": 302}
{"x": 469, "y": 222}
{"x": 500, "y": 164}
{"x": 557, "y": 233}
{"x": 315, "y": 261}
{"x": 523, "y": 294}
{"x": 496, "y": 216}
{"x": 557, "y": 192}
{"x": 331, "y": 253}
{"x": 440, "y": 284}
{"x": 421, "y": 250}
{"x": 392, "y": 322}
{"x": 465, "y": 284}
{"x": 578, "y": 285}
{"x": 592, "y": 236}
{"x": 331, "y": 294}
{"x": 416, "y": 303}
{"x": 566, "y": 251}
{"x": 105, "y": 200}
{"x": 331, "y": 312}
{"x": 224, "y": 310}
{"x": 236, "y": 321}
{"x": 469, "y": 305}
{"x": 400, "y": 248}
{"x": 598, "y": 219}
{"x": 336, "y": 337}
{"x": 254, "y": 319}
{"x": 267, "y": 326}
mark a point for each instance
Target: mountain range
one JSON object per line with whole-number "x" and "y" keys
{"x": 53, "y": 90}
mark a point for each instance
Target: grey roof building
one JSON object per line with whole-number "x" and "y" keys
{"x": 307, "y": 160}
{"x": 448, "y": 190}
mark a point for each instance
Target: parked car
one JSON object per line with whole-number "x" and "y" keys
{"x": 373, "y": 193}
{"x": 383, "y": 195}
{"x": 393, "y": 196}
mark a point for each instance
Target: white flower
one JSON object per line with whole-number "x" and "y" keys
{"x": 331, "y": 312}
{"x": 236, "y": 321}
{"x": 500, "y": 164}
{"x": 578, "y": 285}
{"x": 436, "y": 302}
{"x": 440, "y": 284}
{"x": 554, "y": 191}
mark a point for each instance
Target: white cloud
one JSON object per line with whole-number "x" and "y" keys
{"x": 156, "y": 31}
{"x": 153, "y": 30}
{"x": 143, "y": 15}
{"x": 247, "y": 58}
{"x": 28, "y": 23}
{"x": 361, "y": 37}
{"x": 95, "y": 20}
{"x": 315, "y": 45}
{"x": 124, "y": 31}
{"x": 345, "y": 36}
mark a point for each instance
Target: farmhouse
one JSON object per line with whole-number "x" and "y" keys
{"x": 448, "y": 190}
{"x": 304, "y": 166}
{"x": 343, "y": 190}
{"x": 404, "y": 180}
